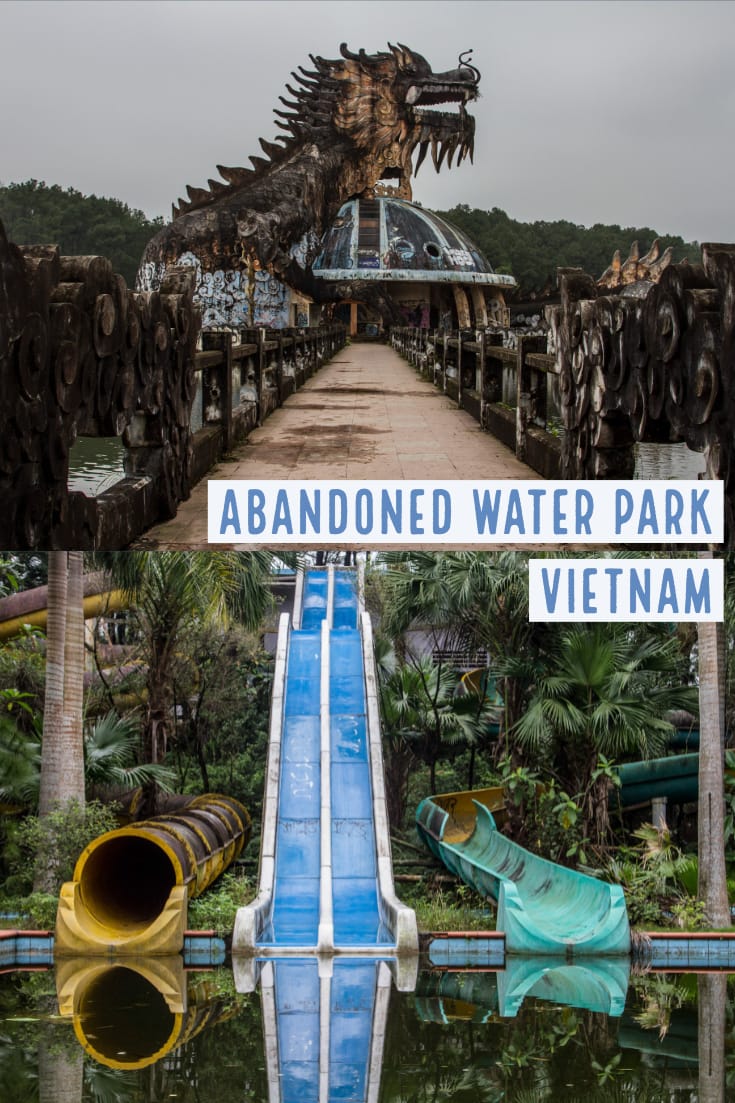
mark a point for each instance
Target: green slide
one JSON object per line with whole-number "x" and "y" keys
{"x": 543, "y": 908}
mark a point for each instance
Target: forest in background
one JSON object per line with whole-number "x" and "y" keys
{"x": 532, "y": 251}
{"x": 34, "y": 212}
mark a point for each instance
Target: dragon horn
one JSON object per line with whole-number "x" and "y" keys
{"x": 269, "y": 148}
{"x": 197, "y": 195}
{"x": 234, "y": 176}
{"x": 465, "y": 64}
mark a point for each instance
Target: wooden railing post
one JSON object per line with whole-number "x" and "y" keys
{"x": 217, "y": 385}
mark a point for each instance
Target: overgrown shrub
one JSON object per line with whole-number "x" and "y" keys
{"x": 46, "y": 849}
{"x": 215, "y": 909}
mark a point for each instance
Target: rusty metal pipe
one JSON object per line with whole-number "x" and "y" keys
{"x": 132, "y": 886}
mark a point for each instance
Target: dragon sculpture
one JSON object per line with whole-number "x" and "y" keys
{"x": 350, "y": 124}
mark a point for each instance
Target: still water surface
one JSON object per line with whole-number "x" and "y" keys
{"x": 96, "y": 463}
{"x": 150, "y": 1031}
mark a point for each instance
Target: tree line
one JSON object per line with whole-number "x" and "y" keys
{"x": 34, "y": 212}
{"x": 181, "y": 702}
{"x": 532, "y": 251}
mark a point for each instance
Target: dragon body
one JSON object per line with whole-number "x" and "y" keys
{"x": 351, "y": 124}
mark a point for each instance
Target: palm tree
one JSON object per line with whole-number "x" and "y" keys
{"x": 712, "y": 875}
{"x": 171, "y": 592}
{"x": 110, "y": 756}
{"x": 605, "y": 693}
{"x": 422, "y": 711}
{"x": 474, "y": 601}
{"x": 399, "y": 721}
{"x": 62, "y": 754}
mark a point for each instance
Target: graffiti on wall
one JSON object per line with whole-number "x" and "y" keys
{"x": 233, "y": 299}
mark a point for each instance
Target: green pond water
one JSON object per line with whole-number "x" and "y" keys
{"x": 96, "y": 463}
{"x": 154, "y": 1032}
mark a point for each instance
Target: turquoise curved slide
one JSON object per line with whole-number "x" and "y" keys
{"x": 543, "y": 908}
{"x": 597, "y": 984}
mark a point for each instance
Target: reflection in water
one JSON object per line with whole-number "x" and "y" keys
{"x": 599, "y": 984}
{"x": 711, "y": 1010}
{"x": 319, "y": 1031}
{"x": 95, "y": 464}
{"x": 667, "y": 461}
{"x": 128, "y": 1016}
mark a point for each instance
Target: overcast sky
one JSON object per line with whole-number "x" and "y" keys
{"x": 594, "y": 112}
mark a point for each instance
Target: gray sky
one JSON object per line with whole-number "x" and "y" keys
{"x": 592, "y": 112}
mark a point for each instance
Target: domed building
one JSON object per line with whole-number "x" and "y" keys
{"x": 431, "y": 271}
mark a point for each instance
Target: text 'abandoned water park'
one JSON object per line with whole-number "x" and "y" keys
{"x": 367, "y": 608}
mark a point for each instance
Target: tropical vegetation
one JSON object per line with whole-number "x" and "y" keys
{"x": 532, "y": 251}
{"x": 176, "y": 699}
{"x": 34, "y": 212}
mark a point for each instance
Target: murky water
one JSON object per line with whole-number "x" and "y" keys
{"x": 667, "y": 461}
{"x": 95, "y": 464}
{"x": 340, "y": 1031}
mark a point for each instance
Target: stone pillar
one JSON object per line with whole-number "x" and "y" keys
{"x": 658, "y": 812}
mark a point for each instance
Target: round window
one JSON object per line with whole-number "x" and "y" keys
{"x": 433, "y": 250}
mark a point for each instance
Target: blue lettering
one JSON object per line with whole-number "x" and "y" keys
{"x": 230, "y": 515}
{"x": 486, "y": 513}
{"x": 550, "y": 592}
{"x": 391, "y": 512}
{"x": 282, "y": 514}
{"x": 588, "y": 594}
{"x": 585, "y": 505}
{"x": 695, "y": 598}
{"x": 364, "y": 511}
{"x": 613, "y": 573}
{"x": 674, "y": 511}
{"x": 668, "y": 592}
{"x": 256, "y": 515}
{"x": 560, "y": 528}
{"x": 416, "y": 516}
{"x": 648, "y": 519}
{"x": 514, "y": 516}
{"x": 443, "y": 525}
{"x": 536, "y": 496}
{"x": 337, "y": 526}
{"x": 638, "y": 592}
{"x": 699, "y": 498}
{"x": 623, "y": 508}
{"x": 310, "y": 512}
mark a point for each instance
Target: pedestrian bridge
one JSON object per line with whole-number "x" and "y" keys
{"x": 367, "y": 414}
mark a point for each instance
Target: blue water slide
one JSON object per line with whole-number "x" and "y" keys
{"x": 326, "y": 879}
{"x": 324, "y": 1024}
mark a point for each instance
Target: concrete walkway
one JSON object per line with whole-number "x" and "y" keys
{"x": 365, "y": 415}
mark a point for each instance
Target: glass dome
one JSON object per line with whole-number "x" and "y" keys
{"x": 391, "y": 239}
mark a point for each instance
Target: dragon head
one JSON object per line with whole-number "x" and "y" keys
{"x": 386, "y": 103}
{"x": 373, "y": 110}
{"x": 350, "y": 129}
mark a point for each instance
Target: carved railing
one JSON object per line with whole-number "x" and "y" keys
{"x": 658, "y": 366}
{"x": 243, "y": 375}
{"x": 82, "y": 355}
{"x": 654, "y": 362}
{"x": 511, "y": 391}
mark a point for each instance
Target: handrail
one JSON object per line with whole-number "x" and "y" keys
{"x": 508, "y": 382}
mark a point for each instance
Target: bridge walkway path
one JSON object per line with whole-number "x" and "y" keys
{"x": 365, "y": 415}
